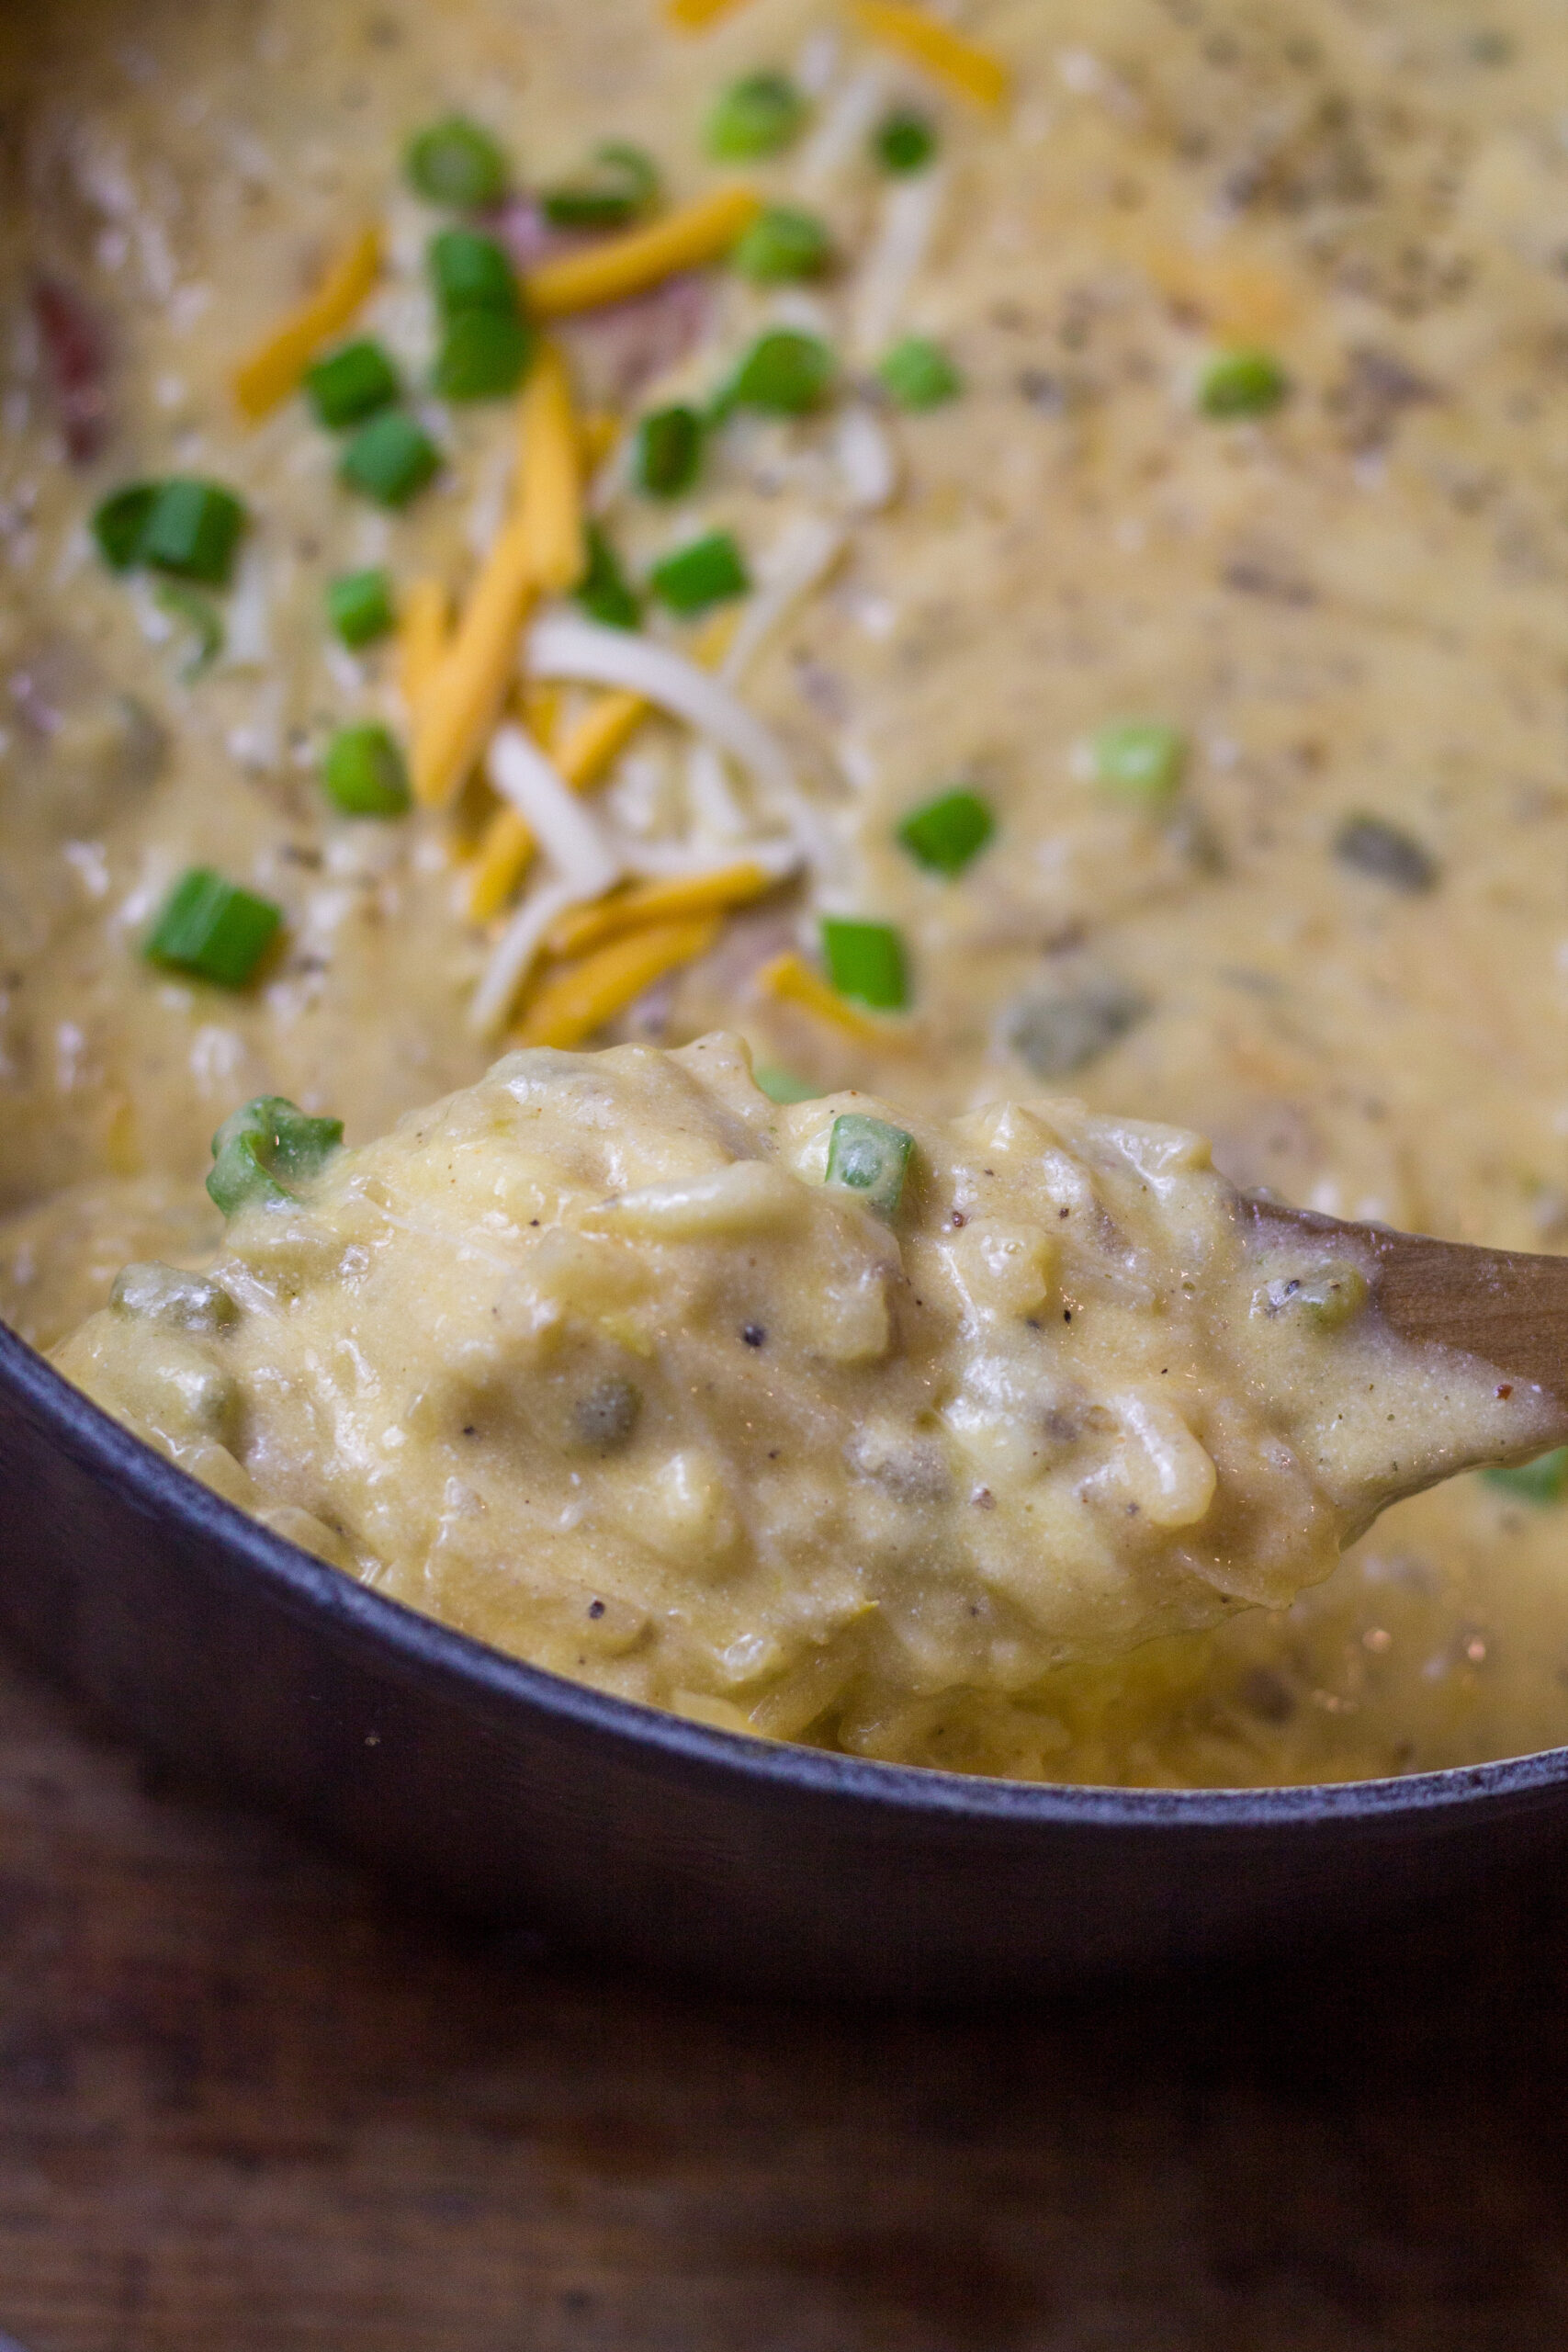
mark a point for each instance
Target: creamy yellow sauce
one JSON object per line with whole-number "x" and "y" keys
{"x": 1351, "y": 608}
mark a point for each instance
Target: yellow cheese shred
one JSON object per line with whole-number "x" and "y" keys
{"x": 597, "y": 434}
{"x": 695, "y": 15}
{"x": 676, "y": 900}
{"x": 686, "y": 238}
{"x": 790, "y": 980}
{"x": 575, "y": 1002}
{"x": 274, "y": 368}
{"x": 588, "y": 749}
{"x": 549, "y": 476}
{"x": 422, "y": 627}
{"x": 460, "y": 706}
{"x": 927, "y": 41}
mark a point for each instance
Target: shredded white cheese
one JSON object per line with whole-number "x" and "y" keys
{"x": 515, "y": 953}
{"x": 562, "y": 644}
{"x": 564, "y": 828}
{"x": 843, "y": 130}
{"x": 909, "y": 211}
{"x": 802, "y": 555}
{"x": 866, "y": 463}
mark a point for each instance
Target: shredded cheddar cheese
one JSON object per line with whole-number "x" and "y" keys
{"x": 550, "y": 476}
{"x": 597, "y": 434}
{"x": 790, "y": 980}
{"x": 422, "y": 628}
{"x": 503, "y": 855}
{"x": 460, "y": 706}
{"x": 677, "y": 900}
{"x": 276, "y": 368}
{"x": 928, "y": 43}
{"x": 687, "y": 239}
{"x": 575, "y": 1002}
{"x": 598, "y": 736}
{"x": 695, "y": 15}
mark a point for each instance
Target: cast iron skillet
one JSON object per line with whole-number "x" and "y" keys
{"x": 527, "y": 1799}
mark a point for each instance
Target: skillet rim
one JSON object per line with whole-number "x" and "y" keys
{"x": 311, "y": 1589}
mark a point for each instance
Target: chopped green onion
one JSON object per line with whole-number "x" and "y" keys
{"x": 484, "y": 356}
{"x": 782, "y": 244}
{"x": 1141, "y": 758}
{"x": 904, "y": 142}
{"x": 1065, "y": 1027}
{"x": 783, "y": 1086}
{"x": 359, "y": 607}
{"x": 1544, "y": 1480}
{"x": 389, "y": 458}
{"x": 605, "y": 593}
{"x": 707, "y": 573}
{"x": 265, "y": 1149}
{"x": 364, "y": 774}
{"x": 179, "y": 1301}
{"x": 208, "y": 927}
{"x": 786, "y": 373}
{"x": 192, "y": 530}
{"x": 1331, "y": 1296}
{"x": 351, "y": 385}
{"x": 866, "y": 961}
{"x": 472, "y": 273}
{"x": 869, "y": 1159}
{"x": 1386, "y": 853}
{"x": 1242, "y": 383}
{"x": 203, "y": 620}
{"x": 119, "y": 524}
{"x": 623, "y": 183}
{"x": 457, "y": 163}
{"x": 949, "y": 831}
{"x": 920, "y": 374}
{"x": 669, "y": 451}
{"x": 758, "y": 116}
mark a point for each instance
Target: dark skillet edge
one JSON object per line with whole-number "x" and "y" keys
{"x": 312, "y": 1590}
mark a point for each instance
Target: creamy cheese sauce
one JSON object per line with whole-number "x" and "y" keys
{"x": 1349, "y": 610}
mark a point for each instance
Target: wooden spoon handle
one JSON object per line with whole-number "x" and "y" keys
{"x": 1505, "y": 1305}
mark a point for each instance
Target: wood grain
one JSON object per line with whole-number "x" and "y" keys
{"x": 247, "y": 2105}
{"x": 1507, "y": 1307}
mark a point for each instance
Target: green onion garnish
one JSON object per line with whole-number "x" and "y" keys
{"x": 1544, "y": 1480}
{"x": 351, "y": 385}
{"x": 866, "y": 961}
{"x": 457, "y": 163}
{"x": 202, "y": 619}
{"x": 1141, "y": 758}
{"x": 782, "y": 244}
{"x": 783, "y": 1086}
{"x": 758, "y": 116}
{"x": 364, "y": 774}
{"x": 484, "y": 356}
{"x": 707, "y": 573}
{"x": 869, "y": 1159}
{"x": 265, "y": 1149}
{"x": 472, "y": 273}
{"x": 359, "y": 607}
{"x": 389, "y": 458}
{"x": 622, "y": 182}
{"x": 605, "y": 593}
{"x": 208, "y": 927}
{"x": 786, "y": 373}
{"x": 192, "y": 530}
{"x": 904, "y": 142}
{"x": 1242, "y": 383}
{"x": 920, "y": 374}
{"x": 119, "y": 524}
{"x": 948, "y": 833}
{"x": 669, "y": 451}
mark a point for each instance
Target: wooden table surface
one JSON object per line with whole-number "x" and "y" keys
{"x": 249, "y": 2104}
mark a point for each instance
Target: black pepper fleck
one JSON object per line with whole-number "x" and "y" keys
{"x": 754, "y": 1334}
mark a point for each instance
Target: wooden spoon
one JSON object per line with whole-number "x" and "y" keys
{"x": 1507, "y": 1306}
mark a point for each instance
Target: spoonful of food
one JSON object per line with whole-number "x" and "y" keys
{"x": 799, "y": 1417}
